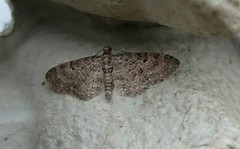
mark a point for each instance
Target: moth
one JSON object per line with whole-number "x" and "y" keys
{"x": 130, "y": 73}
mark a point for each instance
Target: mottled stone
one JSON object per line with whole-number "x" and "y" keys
{"x": 202, "y": 17}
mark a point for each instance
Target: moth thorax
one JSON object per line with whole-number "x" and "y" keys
{"x": 106, "y": 56}
{"x": 106, "y": 63}
{"x": 106, "y": 59}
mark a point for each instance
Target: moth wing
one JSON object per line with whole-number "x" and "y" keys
{"x": 82, "y": 78}
{"x": 134, "y": 72}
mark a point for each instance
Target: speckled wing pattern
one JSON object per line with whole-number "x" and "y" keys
{"x": 135, "y": 72}
{"x": 82, "y": 78}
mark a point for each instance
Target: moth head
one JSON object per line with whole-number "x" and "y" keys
{"x": 107, "y": 49}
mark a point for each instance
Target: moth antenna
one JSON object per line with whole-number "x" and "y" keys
{"x": 98, "y": 52}
{"x": 120, "y": 50}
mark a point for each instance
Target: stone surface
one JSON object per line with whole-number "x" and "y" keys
{"x": 201, "y": 17}
{"x": 197, "y": 108}
{"x": 6, "y": 17}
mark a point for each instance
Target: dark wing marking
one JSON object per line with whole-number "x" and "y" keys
{"x": 134, "y": 72}
{"x": 82, "y": 78}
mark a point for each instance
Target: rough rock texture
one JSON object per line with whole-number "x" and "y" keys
{"x": 202, "y": 17}
{"x": 197, "y": 108}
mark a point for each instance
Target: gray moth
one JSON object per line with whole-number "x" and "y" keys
{"x": 130, "y": 73}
